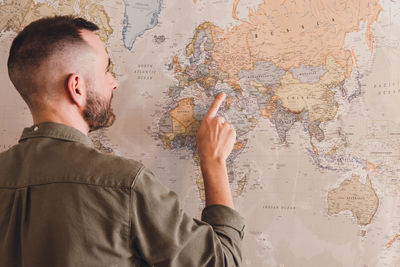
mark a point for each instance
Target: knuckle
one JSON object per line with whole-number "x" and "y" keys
{"x": 220, "y": 119}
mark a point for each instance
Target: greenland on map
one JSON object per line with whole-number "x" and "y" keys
{"x": 313, "y": 92}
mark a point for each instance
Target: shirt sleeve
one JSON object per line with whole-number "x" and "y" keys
{"x": 163, "y": 235}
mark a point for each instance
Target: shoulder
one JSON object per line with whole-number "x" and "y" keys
{"x": 101, "y": 168}
{"x": 54, "y": 161}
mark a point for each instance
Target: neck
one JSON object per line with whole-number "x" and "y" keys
{"x": 74, "y": 118}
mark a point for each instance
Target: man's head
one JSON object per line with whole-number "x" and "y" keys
{"x": 58, "y": 63}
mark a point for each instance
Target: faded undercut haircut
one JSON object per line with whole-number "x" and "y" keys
{"x": 37, "y": 42}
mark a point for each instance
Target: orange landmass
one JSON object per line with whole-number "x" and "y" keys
{"x": 289, "y": 33}
{"x": 175, "y": 64}
{"x": 373, "y": 16}
{"x": 190, "y": 47}
{"x": 165, "y": 142}
{"x": 229, "y": 101}
{"x": 183, "y": 113}
{"x": 390, "y": 243}
{"x": 270, "y": 108}
{"x": 359, "y": 198}
{"x": 237, "y": 146}
{"x": 234, "y": 9}
{"x": 333, "y": 150}
{"x": 372, "y": 167}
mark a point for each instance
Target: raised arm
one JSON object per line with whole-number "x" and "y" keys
{"x": 163, "y": 235}
{"x": 215, "y": 140}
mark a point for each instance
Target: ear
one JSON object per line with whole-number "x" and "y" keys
{"x": 76, "y": 89}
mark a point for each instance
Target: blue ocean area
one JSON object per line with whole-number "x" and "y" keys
{"x": 140, "y": 16}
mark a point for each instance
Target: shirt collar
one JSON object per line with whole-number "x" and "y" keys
{"x": 57, "y": 131}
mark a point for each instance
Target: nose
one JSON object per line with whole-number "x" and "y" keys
{"x": 115, "y": 84}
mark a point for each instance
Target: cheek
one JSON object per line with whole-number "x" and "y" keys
{"x": 110, "y": 79}
{"x": 101, "y": 86}
{"x": 112, "y": 82}
{"x": 104, "y": 82}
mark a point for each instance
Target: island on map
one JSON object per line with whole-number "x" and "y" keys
{"x": 140, "y": 16}
{"x": 354, "y": 196}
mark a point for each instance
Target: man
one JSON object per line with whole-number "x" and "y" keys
{"x": 62, "y": 203}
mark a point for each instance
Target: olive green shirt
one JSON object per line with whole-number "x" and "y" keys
{"x": 63, "y": 203}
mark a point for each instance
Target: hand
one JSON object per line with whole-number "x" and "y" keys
{"x": 215, "y": 138}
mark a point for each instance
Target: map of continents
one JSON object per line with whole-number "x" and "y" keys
{"x": 287, "y": 62}
{"x": 287, "y": 74}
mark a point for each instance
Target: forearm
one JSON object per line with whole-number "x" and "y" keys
{"x": 216, "y": 183}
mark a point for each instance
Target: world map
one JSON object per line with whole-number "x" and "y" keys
{"x": 313, "y": 93}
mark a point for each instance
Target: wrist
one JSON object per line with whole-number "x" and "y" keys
{"x": 211, "y": 163}
{"x": 211, "y": 168}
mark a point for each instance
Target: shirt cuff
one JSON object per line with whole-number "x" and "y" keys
{"x": 220, "y": 215}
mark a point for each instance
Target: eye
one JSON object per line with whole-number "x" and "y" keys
{"x": 108, "y": 65}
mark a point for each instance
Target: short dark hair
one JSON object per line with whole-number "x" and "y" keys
{"x": 41, "y": 39}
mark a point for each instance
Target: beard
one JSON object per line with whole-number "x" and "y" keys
{"x": 98, "y": 112}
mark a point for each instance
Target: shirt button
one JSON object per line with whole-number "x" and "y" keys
{"x": 35, "y": 129}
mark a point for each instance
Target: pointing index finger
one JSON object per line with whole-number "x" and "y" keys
{"x": 215, "y": 105}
